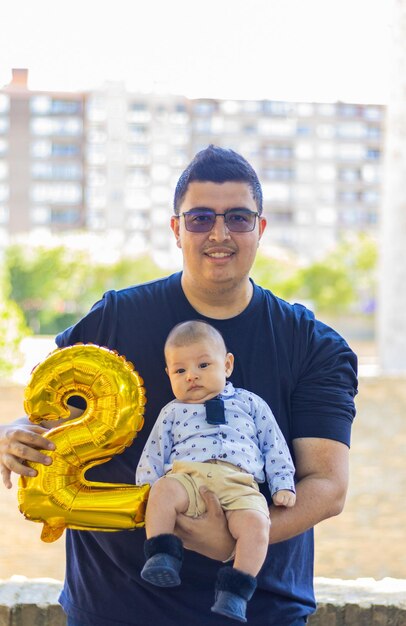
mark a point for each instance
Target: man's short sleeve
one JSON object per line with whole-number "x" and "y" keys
{"x": 326, "y": 382}
{"x": 98, "y": 326}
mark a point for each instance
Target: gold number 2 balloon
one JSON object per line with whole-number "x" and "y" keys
{"x": 60, "y": 496}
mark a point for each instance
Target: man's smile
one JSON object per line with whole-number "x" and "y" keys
{"x": 219, "y": 253}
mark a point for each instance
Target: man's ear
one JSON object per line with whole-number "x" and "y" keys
{"x": 262, "y": 226}
{"x": 229, "y": 364}
{"x": 175, "y": 226}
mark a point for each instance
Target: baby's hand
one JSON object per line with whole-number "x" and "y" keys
{"x": 284, "y": 498}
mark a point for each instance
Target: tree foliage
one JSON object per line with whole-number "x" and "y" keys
{"x": 55, "y": 286}
{"x": 341, "y": 282}
{"x": 12, "y": 329}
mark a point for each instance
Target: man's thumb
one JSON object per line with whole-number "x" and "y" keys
{"x": 211, "y": 500}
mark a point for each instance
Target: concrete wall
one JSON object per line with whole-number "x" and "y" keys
{"x": 361, "y": 602}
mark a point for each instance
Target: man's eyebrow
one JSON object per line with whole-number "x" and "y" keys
{"x": 206, "y": 208}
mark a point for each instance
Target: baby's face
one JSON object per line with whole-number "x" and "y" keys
{"x": 198, "y": 371}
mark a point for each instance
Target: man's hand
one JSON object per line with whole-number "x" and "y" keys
{"x": 21, "y": 442}
{"x": 207, "y": 534}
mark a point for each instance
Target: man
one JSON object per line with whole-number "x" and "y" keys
{"x": 299, "y": 366}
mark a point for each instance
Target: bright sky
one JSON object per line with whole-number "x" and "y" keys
{"x": 309, "y": 50}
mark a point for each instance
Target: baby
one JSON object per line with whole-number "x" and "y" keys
{"x": 222, "y": 438}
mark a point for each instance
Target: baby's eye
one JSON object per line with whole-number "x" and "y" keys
{"x": 203, "y": 365}
{"x": 181, "y": 370}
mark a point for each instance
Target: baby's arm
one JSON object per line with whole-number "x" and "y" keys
{"x": 157, "y": 450}
{"x": 278, "y": 464}
{"x": 284, "y": 497}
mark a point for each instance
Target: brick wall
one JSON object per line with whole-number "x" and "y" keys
{"x": 362, "y": 602}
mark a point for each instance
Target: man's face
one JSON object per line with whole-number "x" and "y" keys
{"x": 219, "y": 259}
{"x": 198, "y": 371}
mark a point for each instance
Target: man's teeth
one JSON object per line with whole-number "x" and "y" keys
{"x": 219, "y": 255}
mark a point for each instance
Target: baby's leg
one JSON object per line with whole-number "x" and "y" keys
{"x": 250, "y": 529}
{"x": 167, "y": 498}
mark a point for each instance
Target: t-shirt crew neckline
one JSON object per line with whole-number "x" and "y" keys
{"x": 184, "y": 302}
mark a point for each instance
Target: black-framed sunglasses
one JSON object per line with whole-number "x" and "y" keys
{"x": 203, "y": 220}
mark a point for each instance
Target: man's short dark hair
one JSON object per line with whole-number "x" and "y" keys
{"x": 218, "y": 165}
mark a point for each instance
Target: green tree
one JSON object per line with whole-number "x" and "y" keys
{"x": 41, "y": 280}
{"x": 341, "y": 282}
{"x": 12, "y": 329}
{"x": 55, "y": 287}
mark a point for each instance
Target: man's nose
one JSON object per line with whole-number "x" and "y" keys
{"x": 219, "y": 232}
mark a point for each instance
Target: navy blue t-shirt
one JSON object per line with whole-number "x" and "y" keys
{"x": 306, "y": 373}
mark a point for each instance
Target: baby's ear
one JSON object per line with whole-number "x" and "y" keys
{"x": 166, "y": 370}
{"x": 229, "y": 363}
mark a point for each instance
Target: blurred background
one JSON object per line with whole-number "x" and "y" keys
{"x": 102, "y": 106}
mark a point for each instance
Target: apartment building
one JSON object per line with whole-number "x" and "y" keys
{"x": 108, "y": 161}
{"x": 320, "y": 164}
{"x": 41, "y": 159}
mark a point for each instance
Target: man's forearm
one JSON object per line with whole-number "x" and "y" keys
{"x": 317, "y": 499}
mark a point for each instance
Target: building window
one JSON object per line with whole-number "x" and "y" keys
{"x": 206, "y": 108}
{"x": 349, "y": 175}
{"x": 305, "y": 109}
{"x": 276, "y": 192}
{"x": 351, "y": 130}
{"x": 349, "y": 110}
{"x": 138, "y": 177}
{"x": 61, "y": 171}
{"x": 278, "y": 152}
{"x": 40, "y": 104}
{"x": 40, "y": 215}
{"x": 230, "y": 107}
{"x": 64, "y": 193}
{"x": 370, "y": 197}
{"x": 370, "y": 174}
{"x": 373, "y": 132}
{"x": 326, "y": 131}
{"x": 373, "y": 154}
{"x": 373, "y": 113}
{"x": 4, "y": 214}
{"x": 275, "y": 127}
{"x": 277, "y": 108}
{"x": 65, "y": 149}
{"x": 251, "y": 106}
{"x": 326, "y": 172}
{"x": 326, "y": 216}
{"x": 249, "y": 129}
{"x": 4, "y": 192}
{"x": 303, "y": 131}
{"x": 136, "y": 199}
{"x": 304, "y": 150}
{"x": 278, "y": 173}
{"x": 350, "y": 151}
{"x": 68, "y": 107}
{"x": 3, "y": 170}
{"x": 280, "y": 217}
{"x": 65, "y": 217}
{"x": 326, "y": 109}
{"x": 56, "y": 126}
{"x": 138, "y": 132}
{"x": 4, "y": 125}
{"x": 348, "y": 197}
{"x": 4, "y": 103}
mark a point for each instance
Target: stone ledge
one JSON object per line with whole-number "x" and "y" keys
{"x": 361, "y": 602}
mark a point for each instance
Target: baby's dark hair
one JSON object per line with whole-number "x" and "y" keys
{"x": 186, "y": 333}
